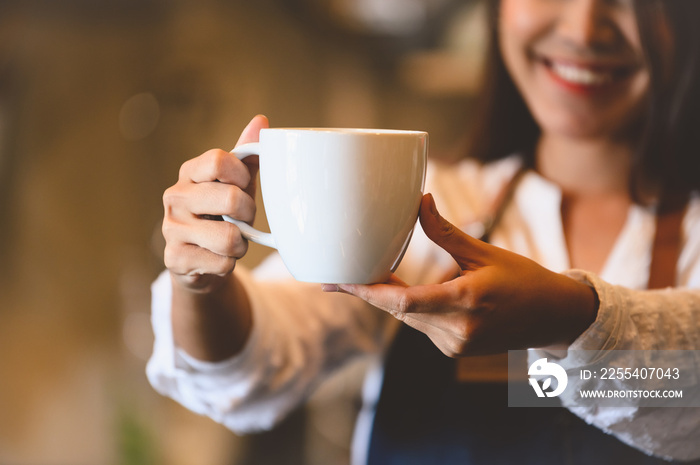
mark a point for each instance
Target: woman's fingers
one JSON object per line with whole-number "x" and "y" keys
{"x": 400, "y": 298}
{"x": 444, "y": 307}
{"x": 219, "y": 237}
{"x": 221, "y": 165}
{"x": 251, "y": 132}
{"x": 448, "y": 343}
{"x": 442, "y": 312}
{"x": 202, "y": 247}
{"x": 216, "y": 165}
{"x": 186, "y": 228}
{"x": 466, "y": 250}
{"x": 189, "y": 260}
{"x": 214, "y": 198}
{"x": 199, "y": 250}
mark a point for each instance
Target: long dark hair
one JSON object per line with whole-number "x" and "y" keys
{"x": 667, "y": 154}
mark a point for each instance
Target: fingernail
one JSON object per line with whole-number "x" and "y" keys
{"x": 431, "y": 206}
{"x": 330, "y": 288}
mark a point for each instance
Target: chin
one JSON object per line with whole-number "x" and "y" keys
{"x": 581, "y": 133}
{"x": 576, "y": 126}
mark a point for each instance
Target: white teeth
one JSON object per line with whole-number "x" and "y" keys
{"x": 577, "y": 75}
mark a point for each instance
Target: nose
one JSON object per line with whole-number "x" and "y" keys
{"x": 587, "y": 23}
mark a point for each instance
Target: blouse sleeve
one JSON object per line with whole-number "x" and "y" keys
{"x": 636, "y": 320}
{"x": 300, "y": 334}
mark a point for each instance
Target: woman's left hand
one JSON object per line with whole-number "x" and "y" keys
{"x": 500, "y": 301}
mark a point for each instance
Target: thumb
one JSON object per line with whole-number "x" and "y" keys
{"x": 251, "y": 133}
{"x": 463, "y": 248}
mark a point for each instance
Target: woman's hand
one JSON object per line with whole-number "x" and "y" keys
{"x": 500, "y": 301}
{"x": 201, "y": 252}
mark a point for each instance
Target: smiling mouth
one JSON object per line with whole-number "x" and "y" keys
{"x": 577, "y": 75}
{"x": 585, "y": 77}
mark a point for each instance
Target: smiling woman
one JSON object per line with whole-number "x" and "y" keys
{"x": 586, "y": 147}
{"x": 579, "y": 66}
{"x": 591, "y": 68}
{"x": 595, "y": 96}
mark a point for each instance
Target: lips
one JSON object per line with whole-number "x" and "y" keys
{"x": 586, "y": 77}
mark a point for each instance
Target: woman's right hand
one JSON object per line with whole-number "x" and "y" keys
{"x": 201, "y": 252}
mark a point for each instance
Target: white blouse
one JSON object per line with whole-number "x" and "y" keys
{"x": 300, "y": 334}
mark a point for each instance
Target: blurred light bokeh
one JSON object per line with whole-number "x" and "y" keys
{"x": 100, "y": 103}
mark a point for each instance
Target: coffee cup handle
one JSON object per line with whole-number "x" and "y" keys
{"x": 247, "y": 230}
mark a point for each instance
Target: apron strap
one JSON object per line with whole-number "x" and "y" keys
{"x": 668, "y": 239}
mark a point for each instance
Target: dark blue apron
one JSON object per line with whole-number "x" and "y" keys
{"x": 426, "y": 417}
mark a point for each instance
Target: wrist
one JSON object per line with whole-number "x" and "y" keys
{"x": 211, "y": 325}
{"x": 198, "y": 283}
{"x": 581, "y": 310}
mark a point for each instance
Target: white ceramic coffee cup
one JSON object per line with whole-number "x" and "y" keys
{"x": 341, "y": 203}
